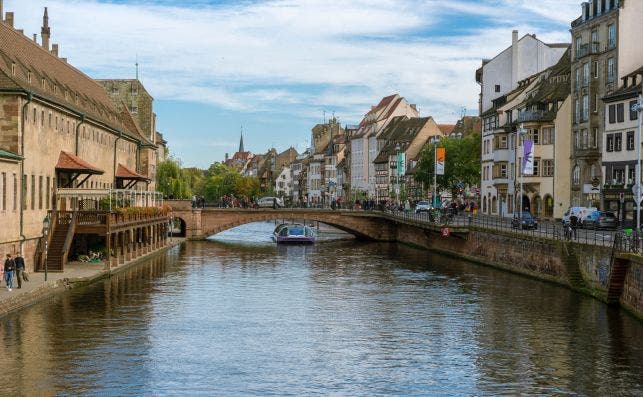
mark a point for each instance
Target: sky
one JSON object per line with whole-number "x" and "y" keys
{"x": 276, "y": 68}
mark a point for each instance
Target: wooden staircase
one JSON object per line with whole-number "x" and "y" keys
{"x": 62, "y": 234}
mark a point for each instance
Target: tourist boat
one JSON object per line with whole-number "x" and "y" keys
{"x": 293, "y": 233}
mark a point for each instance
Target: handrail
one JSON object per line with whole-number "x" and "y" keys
{"x": 70, "y": 237}
{"x": 39, "y": 258}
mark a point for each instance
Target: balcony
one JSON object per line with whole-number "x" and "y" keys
{"x": 587, "y": 49}
{"x": 535, "y": 115}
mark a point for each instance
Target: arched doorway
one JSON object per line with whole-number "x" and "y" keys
{"x": 537, "y": 206}
{"x": 494, "y": 205}
{"x": 178, "y": 227}
{"x": 526, "y": 204}
{"x": 549, "y": 206}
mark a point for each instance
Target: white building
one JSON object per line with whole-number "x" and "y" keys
{"x": 364, "y": 147}
{"x": 283, "y": 183}
{"x": 499, "y": 76}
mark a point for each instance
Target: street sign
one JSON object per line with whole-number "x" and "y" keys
{"x": 445, "y": 232}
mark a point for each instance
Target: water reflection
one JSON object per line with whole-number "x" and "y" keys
{"x": 243, "y": 316}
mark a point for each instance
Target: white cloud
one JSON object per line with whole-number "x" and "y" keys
{"x": 278, "y": 55}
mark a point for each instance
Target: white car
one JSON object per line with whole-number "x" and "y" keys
{"x": 422, "y": 206}
{"x": 270, "y": 202}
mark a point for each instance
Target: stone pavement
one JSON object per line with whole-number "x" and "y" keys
{"x": 37, "y": 289}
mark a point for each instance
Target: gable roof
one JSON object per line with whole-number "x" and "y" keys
{"x": 123, "y": 172}
{"x": 25, "y": 65}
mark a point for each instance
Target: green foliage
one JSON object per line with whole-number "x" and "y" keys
{"x": 195, "y": 179}
{"x": 462, "y": 163}
{"x": 170, "y": 179}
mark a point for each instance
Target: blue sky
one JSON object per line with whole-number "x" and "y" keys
{"x": 276, "y": 66}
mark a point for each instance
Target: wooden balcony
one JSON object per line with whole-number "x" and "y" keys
{"x": 105, "y": 222}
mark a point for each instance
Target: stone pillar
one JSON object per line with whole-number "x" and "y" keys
{"x": 123, "y": 244}
{"x": 128, "y": 252}
{"x": 116, "y": 248}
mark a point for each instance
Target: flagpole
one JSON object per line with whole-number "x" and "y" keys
{"x": 519, "y": 132}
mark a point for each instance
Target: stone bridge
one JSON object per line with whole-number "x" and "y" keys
{"x": 199, "y": 223}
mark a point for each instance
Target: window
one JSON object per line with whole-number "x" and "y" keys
{"x": 585, "y": 107}
{"x": 611, "y": 36}
{"x": 497, "y": 87}
{"x": 585, "y": 139}
{"x": 503, "y": 142}
{"x": 548, "y": 136}
{"x": 618, "y": 176}
{"x": 40, "y": 192}
{"x": 576, "y": 175}
{"x": 536, "y": 167}
{"x": 612, "y": 114}
{"x": 577, "y": 78}
{"x": 618, "y": 142}
{"x": 595, "y": 103}
{"x": 4, "y": 191}
{"x": 631, "y": 175}
{"x": 585, "y": 74}
{"x": 576, "y": 139}
{"x": 33, "y": 192}
{"x": 630, "y": 140}
{"x": 595, "y": 69}
{"x": 620, "y": 112}
{"x": 579, "y": 43}
{"x": 47, "y": 193}
{"x": 535, "y": 134}
{"x": 548, "y": 168}
{"x": 576, "y": 111}
{"x": 503, "y": 170}
{"x": 633, "y": 113}
{"x": 595, "y": 138}
{"x": 610, "y": 69}
{"x": 609, "y": 146}
{"x": 42, "y": 118}
{"x": 594, "y": 42}
{"x": 15, "y": 192}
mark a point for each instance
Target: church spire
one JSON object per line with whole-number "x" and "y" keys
{"x": 241, "y": 142}
{"x": 45, "y": 31}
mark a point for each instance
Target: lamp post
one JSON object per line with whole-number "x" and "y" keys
{"x": 434, "y": 140}
{"x": 638, "y": 107}
{"x": 397, "y": 173}
{"x": 521, "y": 131}
{"x": 45, "y": 233}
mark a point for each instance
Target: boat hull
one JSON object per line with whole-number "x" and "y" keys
{"x": 295, "y": 240}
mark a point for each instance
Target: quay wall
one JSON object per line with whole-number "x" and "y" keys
{"x": 583, "y": 268}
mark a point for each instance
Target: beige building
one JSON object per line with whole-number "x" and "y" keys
{"x": 58, "y": 129}
{"x": 405, "y": 136}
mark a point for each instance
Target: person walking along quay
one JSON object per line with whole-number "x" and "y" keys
{"x": 9, "y": 268}
{"x": 20, "y": 269}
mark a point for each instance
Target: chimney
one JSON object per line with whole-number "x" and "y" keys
{"x": 35, "y": 38}
{"x": 1, "y": 12}
{"x": 514, "y": 59}
{"x": 584, "y": 8}
{"x": 226, "y": 157}
{"x": 54, "y": 50}
{"x": 45, "y": 32}
{"x": 64, "y": 59}
{"x": 9, "y": 18}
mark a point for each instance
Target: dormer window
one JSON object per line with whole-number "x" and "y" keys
{"x": 29, "y": 76}
{"x": 13, "y": 69}
{"x": 55, "y": 89}
{"x": 42, "y": 82}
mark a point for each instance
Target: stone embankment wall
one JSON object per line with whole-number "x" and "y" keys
{"x": 581, "y": 267}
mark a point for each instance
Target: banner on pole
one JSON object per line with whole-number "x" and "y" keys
{"x": 401, "y": 164}
{"x": 440, "y": 155}
{"x": 528, "y": 158}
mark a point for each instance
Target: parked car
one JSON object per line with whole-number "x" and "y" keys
{"x": 422, "y": 206}
{"x": 600, "y": 220}
{"x": 269, "y": 202}
{"x": 524, "y": 220}
{"x": 579, "y": 212}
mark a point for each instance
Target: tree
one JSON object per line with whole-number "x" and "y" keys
{"x": 170, "y": 179}
{"x": 462, "y": 163}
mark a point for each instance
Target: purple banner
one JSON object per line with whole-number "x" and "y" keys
{"x": 528, "y": 158}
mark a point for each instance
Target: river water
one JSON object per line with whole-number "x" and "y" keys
{"x": 240, "y": 316}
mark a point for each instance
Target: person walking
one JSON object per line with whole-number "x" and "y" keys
{"x": 9, "y": 268}
{"x": 20, "y": 269}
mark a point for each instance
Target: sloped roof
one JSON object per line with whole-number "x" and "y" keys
{"x": 402, "y": 133}
{"x": 63, "y": 84}
{"x": 446, "y": 129}
{"x": 5, "y": 154}
{"x": 555, "y": 85}
{"x": 123, "y": 172}
{"x": 69, "y": 162}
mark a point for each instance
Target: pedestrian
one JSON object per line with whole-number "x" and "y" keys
{"x": 194, "y": 201}
{"x": 20, "y": 269}
{"x": 9, "y": 268}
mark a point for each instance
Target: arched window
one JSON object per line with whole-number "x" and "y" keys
{"x": 494, "y": 205}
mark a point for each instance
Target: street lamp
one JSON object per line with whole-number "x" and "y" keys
{"x": 397, "y": 173}
{"x": 45, "y": 232}
{"x": 521, "y": 131}
{"x": 434, "y": 140}
{"x": 638, "y": 107}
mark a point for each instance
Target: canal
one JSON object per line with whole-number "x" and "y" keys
{"x": 238, "y": 316}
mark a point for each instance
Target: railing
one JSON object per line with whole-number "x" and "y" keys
{"x": 70, "y": 237}
{"x": 535, "y": 115}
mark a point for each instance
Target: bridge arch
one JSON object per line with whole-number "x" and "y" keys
{"x": 201, "y": 223}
